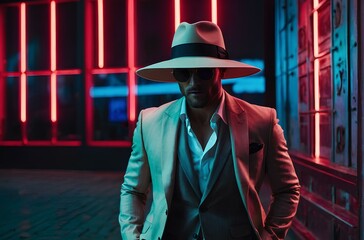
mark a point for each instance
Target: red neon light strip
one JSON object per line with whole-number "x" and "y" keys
{"x": 53, "y": 36}
{"x": 316, "y": 79}
{"x": 214, "y": 11}
{"x": 53, "y": 64}
{"x": 109, "y": 70}
{"x": 131, "y": 61}
{"x": 23, "y": 96}
{"x": 22, "y": 37}
{"x": 23, "y": 83}
{"x": 100, "y": 24}
{"x": 42, "y": 143}
{"x": 317, "y": 107}
{"x": 48, "y": 72}
{"x": 315, "y": 30}
{"x": 177, "y": 13}
{"x": 53, "y": 97}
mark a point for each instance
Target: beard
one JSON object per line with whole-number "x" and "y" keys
{"x": 196, "y": 101}
{"x": 201, "y": 96}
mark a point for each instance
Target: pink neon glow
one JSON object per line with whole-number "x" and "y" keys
{"x": 315, "y": 33}
{"x": 48, "y": 72}
{"x": 53, "y": 97}
{"x": 131, "y": 61}
{"x": 53, "y": 36}
{"x": 316, "y": 79}
{"x": 214, "y": 11}
{"x": 23, "y": 97}
{"x": 317, "y": 107}
{"x": 23, "y": 86}
{"x": 53, "y": 64}
{"x": 315, "y": 3}
{"x": 100, "y": 24}
{"x": 177, "y": 13}
{"x": 22, "y": 38}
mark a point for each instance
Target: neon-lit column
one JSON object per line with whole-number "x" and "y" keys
{"x": 23, "y": 83}
{"x": 317, "y": 107}
{"x": 214, "y": 11}
{"x": 177, "y": 13}
{"x": 316, "y": 79}
{"x": 131, "y": 62}
{"x": 23, "y": 68}
{"x": 88, "y": 58}
{"x": 53, "y": 63}
{"x": 53, "y": 69}
{"x": 315, "y": 29}
{"x": 100, "y": 35}
{"x": 2, "y": 78}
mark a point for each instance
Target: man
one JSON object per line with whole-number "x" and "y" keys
{"x": 197, "y": 163}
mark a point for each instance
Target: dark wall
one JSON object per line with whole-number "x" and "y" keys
{"x": 248, "y": 34}
{"x": 74, "y": 158}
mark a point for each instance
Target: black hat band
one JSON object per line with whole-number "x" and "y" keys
{"x": 199, "y": 49}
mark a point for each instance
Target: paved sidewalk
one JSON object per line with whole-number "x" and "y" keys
{"x": 67, "y": 205}
{"x": 51, "y": 204}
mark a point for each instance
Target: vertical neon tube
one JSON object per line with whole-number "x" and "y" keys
{"x": 53, "y": 97}
{"x": 316, "y": 80}
{"x": 177, "y": 13}
{"x": 315, "y": 30}
{"x": 317, "y": 107}
{"x": 53, "y": 36}
{"x": 23, "y": 82}
{"x": 214, "y": 11}
{"x": 53, "y": 64}
{"x": 23, "y": 96}
{"x": 100, "y": 25}
{"x": 131, "y": 61}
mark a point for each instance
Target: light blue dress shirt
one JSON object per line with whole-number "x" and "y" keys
{"x": 203, "y": 158}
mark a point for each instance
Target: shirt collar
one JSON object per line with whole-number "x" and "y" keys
{"x": 219, "y": 113}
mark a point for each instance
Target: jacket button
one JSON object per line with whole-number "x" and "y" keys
{"x": 195, "y": 236}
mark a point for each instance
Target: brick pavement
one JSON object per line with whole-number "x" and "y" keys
{"x": 52, "y": 204}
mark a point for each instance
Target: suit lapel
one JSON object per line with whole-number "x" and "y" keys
{"x": 239, "y": 135}
{"x": 168, "y": 136}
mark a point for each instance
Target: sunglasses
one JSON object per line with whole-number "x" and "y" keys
{"x": 184, "y": 74}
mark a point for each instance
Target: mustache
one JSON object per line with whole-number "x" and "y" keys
{"x": 193, "y": 89}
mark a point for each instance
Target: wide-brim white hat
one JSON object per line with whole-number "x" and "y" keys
{"x": 197, "y": 45}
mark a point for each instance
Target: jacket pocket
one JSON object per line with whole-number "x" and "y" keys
{"x": 256, "y": 163}
{"x": 255, "y": 147}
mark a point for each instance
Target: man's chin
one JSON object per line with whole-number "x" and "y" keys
{"x": 195, "y": 104}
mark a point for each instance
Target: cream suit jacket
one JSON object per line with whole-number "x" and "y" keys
{"x": 151, "y": 170}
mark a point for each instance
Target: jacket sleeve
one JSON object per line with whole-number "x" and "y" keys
{"x": 284, "y": 183}
{"x": 134, "y": 189}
